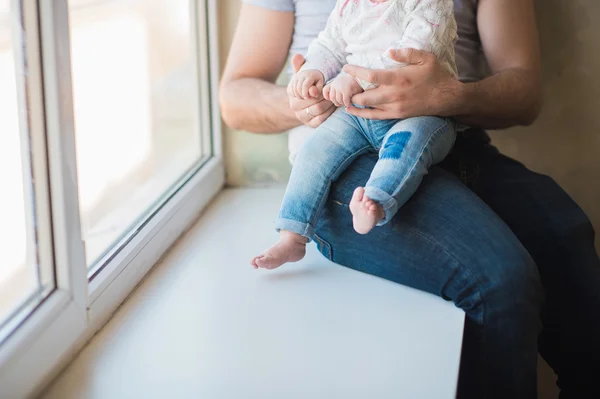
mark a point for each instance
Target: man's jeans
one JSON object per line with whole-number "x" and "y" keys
{"x": 407, "y": 149}
{"x": 495, "y": 238}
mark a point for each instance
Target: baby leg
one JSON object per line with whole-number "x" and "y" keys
{"x": 323, "y": 157}
{"x": 407, "y": 152}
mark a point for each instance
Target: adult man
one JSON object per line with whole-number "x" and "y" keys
{"x": 482, "y": 230}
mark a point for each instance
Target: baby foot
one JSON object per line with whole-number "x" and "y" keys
{"x": 290, "y": 248}
{"x": 366, "y": 212}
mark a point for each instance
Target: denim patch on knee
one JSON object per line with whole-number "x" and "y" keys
{"x": 394, "y": 147}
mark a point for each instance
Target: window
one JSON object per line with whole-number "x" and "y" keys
{"x": 136, "y": 111}
{"x": 109, "y": 148}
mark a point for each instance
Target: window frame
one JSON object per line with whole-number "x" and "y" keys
{"x": 79, "y": 306}
{"x": 39, "y": 253}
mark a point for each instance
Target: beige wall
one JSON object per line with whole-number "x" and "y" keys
{"x": 564, "y": 143}
{"x": 251, "y": 159}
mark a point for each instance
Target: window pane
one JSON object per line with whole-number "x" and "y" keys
{"x": 20, "y": 280}
{"x": 136, "y": 110}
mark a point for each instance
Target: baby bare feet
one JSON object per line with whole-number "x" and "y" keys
{"x": 366, "y": 212}
{"x": 290, "y": 248}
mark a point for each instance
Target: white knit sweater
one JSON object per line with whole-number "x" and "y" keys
{"x": 361, "y": 32}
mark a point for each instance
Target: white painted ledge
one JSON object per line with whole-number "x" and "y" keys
{"x": 204, "y": 324}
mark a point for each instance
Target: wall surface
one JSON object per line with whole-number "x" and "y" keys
{"x": 564, "y": 142}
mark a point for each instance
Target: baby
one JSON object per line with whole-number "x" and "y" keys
{"x": 362, "y": 32}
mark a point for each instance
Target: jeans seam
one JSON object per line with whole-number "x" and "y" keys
{"x": 325, "y": 197}
{"x": 325, "y": 244}
{"x": 338, "y": 203}
{"x": 471, "y": 278}
{"x": 459, "y": 263}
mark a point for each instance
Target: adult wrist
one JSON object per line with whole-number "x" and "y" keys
{"x": 457, "y": 99}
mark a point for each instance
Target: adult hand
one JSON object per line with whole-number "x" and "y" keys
{"x": 314, "y": 111}
{"x": 422, "y": 87}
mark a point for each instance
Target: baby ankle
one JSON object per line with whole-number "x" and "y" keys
{"x": 292, "y": 237}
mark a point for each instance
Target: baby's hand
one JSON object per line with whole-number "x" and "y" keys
{"x": 341, "y": 90}
{"x": 306, "y": 84}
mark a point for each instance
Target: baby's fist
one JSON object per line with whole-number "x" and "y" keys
{"x": 341, "y": 90}
{"x": 306, "y": 84}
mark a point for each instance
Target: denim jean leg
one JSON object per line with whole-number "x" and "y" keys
{"x": 331, "y": 148}
{"x": 560, "y": 238}
{"x": 407, "y": 152}
{"x": 446, "y": 241}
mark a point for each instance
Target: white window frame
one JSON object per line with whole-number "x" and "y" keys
{"x": 58, "y": 327}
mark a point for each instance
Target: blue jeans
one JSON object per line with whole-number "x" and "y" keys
{"x": 407, "y": 149}
{"x": 496, "y": 239}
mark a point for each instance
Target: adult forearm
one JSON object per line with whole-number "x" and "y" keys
{"x": 257, "y": 106}
{"x": 509, "y": 98}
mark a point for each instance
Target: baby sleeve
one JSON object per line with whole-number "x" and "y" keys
{"x": 327, "y": 53}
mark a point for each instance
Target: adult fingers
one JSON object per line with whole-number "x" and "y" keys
{"x": 369, "y": 113}
{"x": 409, "y": 56}
{"x": 309, "y": 112}
{"x": 318, "y": 120}
{"x": 298, "y": 104}
{"x": 321, "y": 107}
{"x": 373, "y": 98}
{"x": 299, "y": 88}
{"x": 317, "y": 117}
{"x": 293, "y": 87}
{"x": 376, "y": 76}
{"x": 303, "y": 116}
{"x": 297, "y": 62}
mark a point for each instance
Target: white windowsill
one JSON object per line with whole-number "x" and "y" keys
{"x": 203, "y": 324}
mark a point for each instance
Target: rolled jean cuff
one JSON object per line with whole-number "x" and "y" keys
{"x": 387, "y": 202}
{"x": 304, "y": 229}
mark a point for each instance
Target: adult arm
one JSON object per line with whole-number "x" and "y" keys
{"x": 249, "y": 97}
{"x": 510, "y": 96}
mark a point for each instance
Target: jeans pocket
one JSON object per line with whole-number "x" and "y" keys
{"x": 324, "y": 247}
